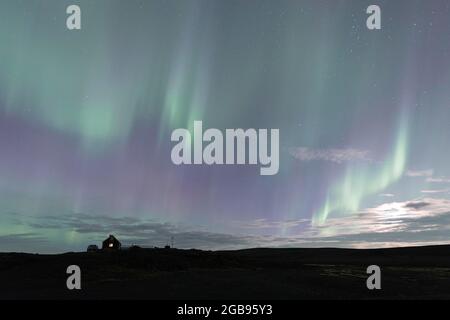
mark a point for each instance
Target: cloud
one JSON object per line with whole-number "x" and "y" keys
{"x": 22, "y": 237}
{"x": 435, "y": 191}
{"x": 139, "y": 231}
{"x": 388, "y": 195}
{"x": 266, "y": 224}
{"x": 438, "y": 180}
{"x": 428, "y": 175}
{"x": 333, "y": 155}
{"x": 416, "y": 204}
{"x": 410, "y": 221}
{"x": 27, "y": 241}
{"x": 419, "y": 173}
{"x": 416, "y": 222}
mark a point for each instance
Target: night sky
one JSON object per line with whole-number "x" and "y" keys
{"x": 86, "y": 118}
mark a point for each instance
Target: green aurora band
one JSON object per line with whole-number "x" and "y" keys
{"x": 362, "y": 181}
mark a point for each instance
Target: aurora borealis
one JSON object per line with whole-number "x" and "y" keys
{"x": 86, "y": 118}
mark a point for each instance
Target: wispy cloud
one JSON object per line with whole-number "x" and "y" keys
{"x": 435, "y": 191}
{"x": 388, "y": 195}
{"x": 333, "y": 154}
{"x": 419, "y": 173}
{"x": 438, "y": 179}
{"x": 138, "y": 231}
{"x": 390, "y": 217}
{"x": 417, "y": 222}
{"x": 423, "y": 221}
{"x": 28, "y": 241}
{"x": 428, "y": 175}
{"x": 267, "y": 224}
{"x": 416, "y": 204}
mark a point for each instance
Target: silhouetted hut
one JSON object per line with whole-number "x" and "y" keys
{"x": 111, "y": 243}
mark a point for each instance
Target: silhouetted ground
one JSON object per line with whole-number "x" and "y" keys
{"x": 407, "y": 273}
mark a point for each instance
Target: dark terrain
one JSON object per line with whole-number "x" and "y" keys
{"x": 407, "y": 273}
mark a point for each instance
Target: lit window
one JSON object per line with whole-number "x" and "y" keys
{"x": 110, "y": 245}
